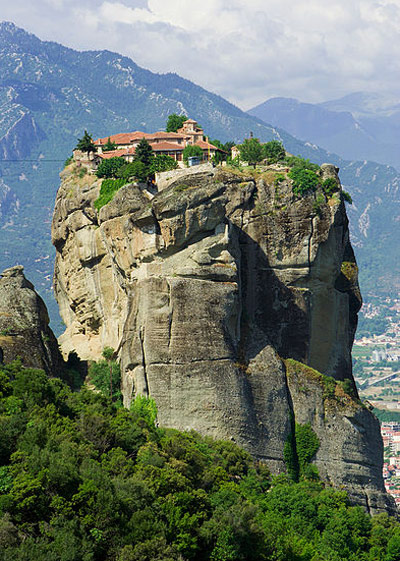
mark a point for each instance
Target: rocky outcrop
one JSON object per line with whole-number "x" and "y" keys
{"x": 351, "y": 450}
{"x": 24, "y": 324}
{"x": 205, "y": 291}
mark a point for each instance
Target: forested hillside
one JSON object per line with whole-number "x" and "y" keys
{"x": 82, "y": 479}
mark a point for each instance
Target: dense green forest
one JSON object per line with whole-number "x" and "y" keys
{"x": 84, "y": 479}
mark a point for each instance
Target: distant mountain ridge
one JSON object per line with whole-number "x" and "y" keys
{"x": 49, "y": 94}
{"x": 358, "y": 126}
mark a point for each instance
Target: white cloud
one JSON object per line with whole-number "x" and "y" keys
{"x": 120, "y": 13}
{"x": 244, "y": 50}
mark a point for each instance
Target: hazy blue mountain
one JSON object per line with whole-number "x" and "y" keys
{"x": 358, "y": 126}
{"x": 366, "y": 104}
{"x": 49, "y": 94}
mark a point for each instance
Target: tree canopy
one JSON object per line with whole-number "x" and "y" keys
{"x": 134, "y": 170}
{"x": 109, "y": 168}
{"x": 192, "y": 150}
{"x": 226, "y": 147}
{"x": 83, "y": 479}
{"x": 251, "y": 151}
{"x": 85, "y": 144}
{"x": 144, "y": 153}
{"x": 274, "y": 151}
{"x": 162, "y": 162}
{"x": 109, "y": 146}
{"x": 175, "y": 122}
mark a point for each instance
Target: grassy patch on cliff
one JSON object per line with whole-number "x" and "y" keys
{"x": 107, "y": 191}
{"x": 341, "y": 391}
{"x": 82, "y": 479}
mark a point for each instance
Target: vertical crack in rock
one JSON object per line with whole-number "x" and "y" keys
{"x": 367, "y": 504}
{"x": 146, "y": 388}
{"x": 310, "y": 239}
{"x": 170, "y": 316}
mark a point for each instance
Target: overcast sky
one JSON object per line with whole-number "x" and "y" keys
{"x": 244, "y": 50}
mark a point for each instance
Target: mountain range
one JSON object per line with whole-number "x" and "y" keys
{"x": 358, "y": 126}
{"x": 50, "y": 93}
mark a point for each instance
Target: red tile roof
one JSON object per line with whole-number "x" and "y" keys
{"x": 113, "y": 154}
{"x": 163, "y": 146}
{"x": 204, "y": 145}
{"x": 129, "y": 137}
{"x": 120, "y": 138}
{"x": 162, "y": 134}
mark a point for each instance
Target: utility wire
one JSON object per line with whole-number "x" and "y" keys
{"x": 32, "y": 161}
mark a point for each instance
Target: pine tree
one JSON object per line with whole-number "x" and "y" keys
{"x": 85, "y": 144}
{"x": 144, "y": 153}
{"x": 109, "y": 146}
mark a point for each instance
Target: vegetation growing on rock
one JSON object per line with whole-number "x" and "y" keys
{"x": 274, "y": 151}
{"x": 350, "y": 270}
{"x": 86, "y": 143}
{"x": 110, "y": 167}
{"x": 162, "y": 162}
{"x": 304, "y": 181}
{"x": 107, "y": 190}
{"x": 251, "y": 151}
{"x": 178, "y": 255}
{"x": 330, "y": 186}
{"x": 300, "y": 448}
{"x": 347, "y": 197}
{"x": 339, "y": 391}
{"x": 105, "y": 375}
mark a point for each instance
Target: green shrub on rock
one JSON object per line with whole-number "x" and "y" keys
{"x": 307, "y": 444}
{"x": 347, "y": 197}
{"x": 109, "y": 168}
{"x": 297, "y": 162}
{"x": 274, "y": 151}
{"x": 304, "y": 181}
{"x": 162, "y": 162}
{"x": 330, "y": 186}
{"x": 107, "y": 190}
{"x": 135, "y": 170}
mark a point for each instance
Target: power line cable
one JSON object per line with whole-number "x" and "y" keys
{"x": 31, "y": 161}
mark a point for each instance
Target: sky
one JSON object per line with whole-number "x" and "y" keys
{"x": 245, "y": 50}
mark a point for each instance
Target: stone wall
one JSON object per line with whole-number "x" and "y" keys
{"x": 165, "y": 178}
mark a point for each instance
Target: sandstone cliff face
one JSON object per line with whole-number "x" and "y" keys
{"x": 24, "y": 324}
{"x": 205, "y": 290}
